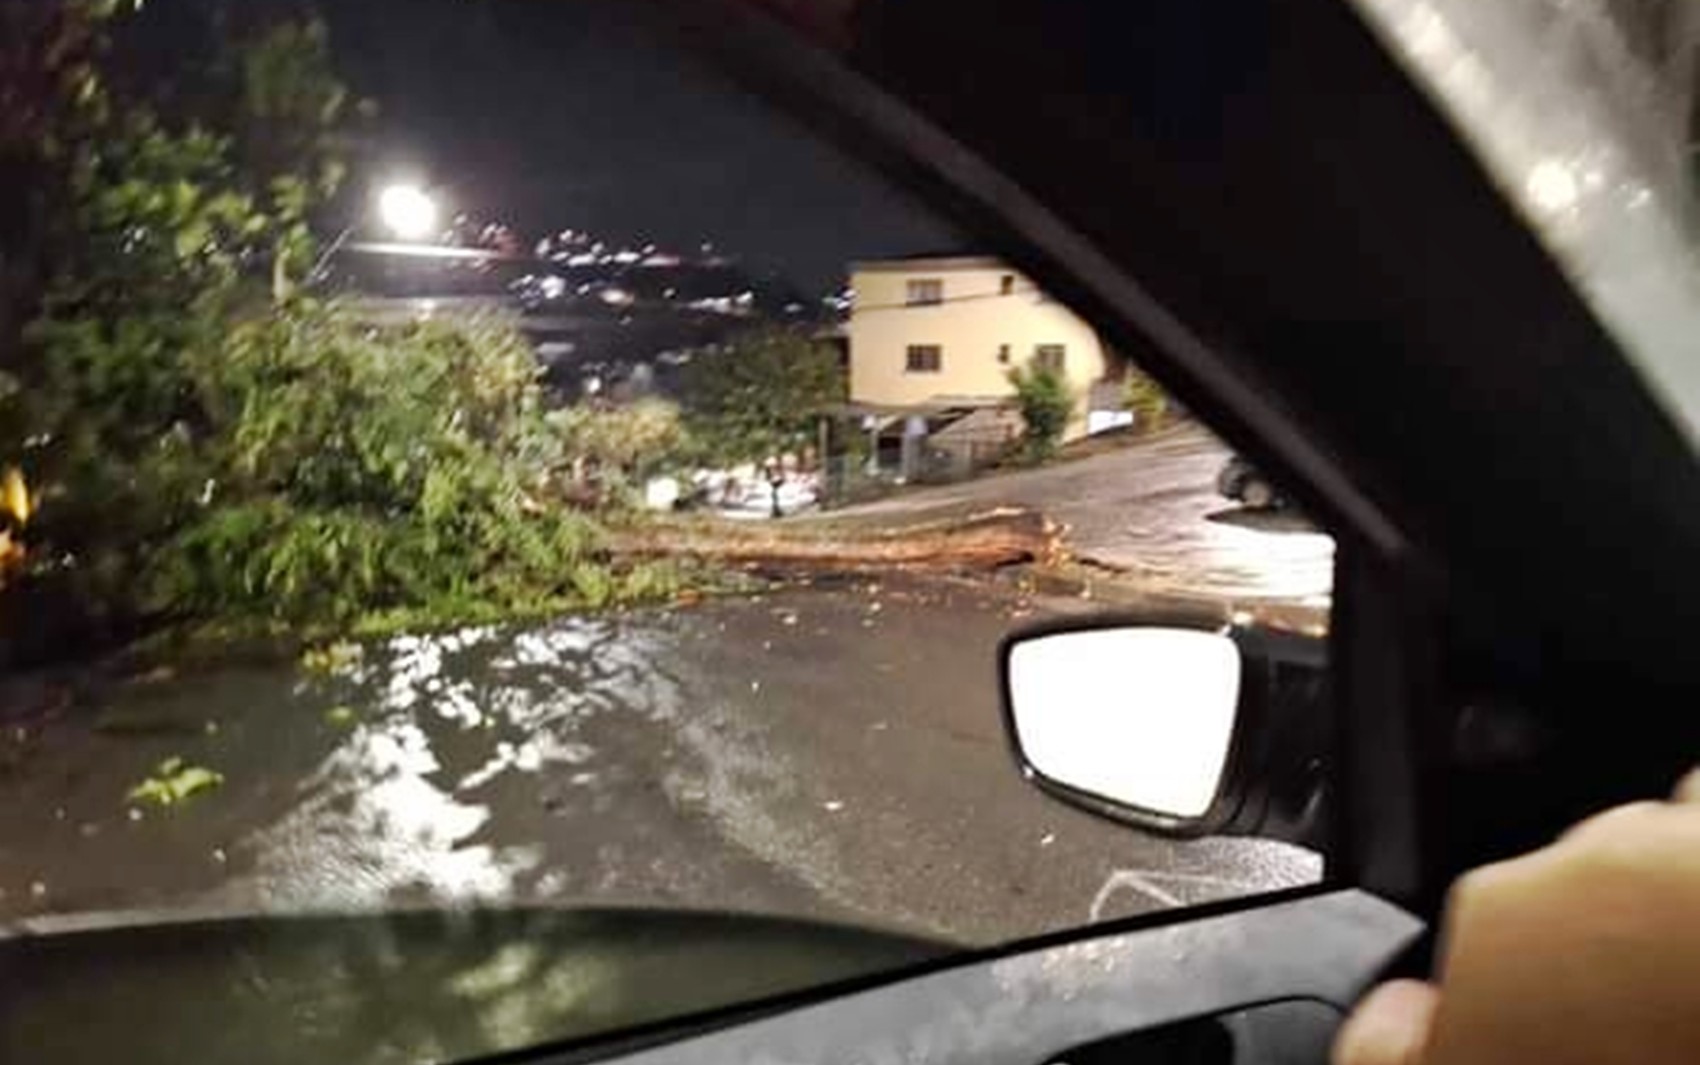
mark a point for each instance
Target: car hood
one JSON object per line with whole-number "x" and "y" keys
{"x": 402, "y": 987}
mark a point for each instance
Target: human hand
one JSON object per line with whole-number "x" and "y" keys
{"x": 1586, "y": 951}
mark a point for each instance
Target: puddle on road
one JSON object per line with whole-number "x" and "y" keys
{"x": 483, "y": 765}
{"x": 402, "y": 809}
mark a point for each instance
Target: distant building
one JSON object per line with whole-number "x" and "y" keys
{"x": 933, "y": 339}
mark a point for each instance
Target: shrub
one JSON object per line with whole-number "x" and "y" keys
{"x": 1046, "y": 404}
{"x": 302, "y": 465}
{"x": 618, "y": 445}
{"x": 762, "y": 396}
{"x": 1148, "y": 402}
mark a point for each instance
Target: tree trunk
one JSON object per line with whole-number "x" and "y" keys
{"x": 973, "y": 540}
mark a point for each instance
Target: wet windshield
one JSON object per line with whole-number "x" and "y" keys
{"x": 471, "y": 455}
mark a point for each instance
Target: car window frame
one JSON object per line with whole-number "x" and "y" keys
{"x": 1424, "y": 600}
{"x": 1379, "y": 702}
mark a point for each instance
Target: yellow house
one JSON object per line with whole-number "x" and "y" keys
{"x": 943, "y": 332}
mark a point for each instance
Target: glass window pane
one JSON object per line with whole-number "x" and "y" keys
{"x": 629, "y": 520}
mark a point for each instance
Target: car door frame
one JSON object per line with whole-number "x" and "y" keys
{"x": 1397, "y": 587}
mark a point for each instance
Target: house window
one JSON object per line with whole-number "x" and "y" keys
{"x": 1006, "y": 286}
{"x": 925, "y": 292}
{"x": 924, "y": 358}
{"x": 1050, "y": 357}
{"x": 1003, "y": 354}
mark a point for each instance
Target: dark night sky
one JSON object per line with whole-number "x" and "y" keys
{"x": 559, "y": 114}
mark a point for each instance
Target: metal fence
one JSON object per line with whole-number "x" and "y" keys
{"x": 857, "y": 478}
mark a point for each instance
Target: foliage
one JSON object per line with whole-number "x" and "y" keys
{"x": 292, "y": 137}
{"x": 618, "y": 444}
{"x": 301, "y": 466}
{"x": 626, "y": 585}
{"x": 1146, "y": 399}
{"x": 159, "y": 239}
{"x": 48, "y": 69}
{"x": 212, "y": 444}
{"x": 52, "y": 94}
{"x": 293, "y": 462}
{"x": 342, "y": 656}
{"x": 144, "y": 193}
{"x": 174, "y": 781}
{"x": 657, "y": 582}
{"x": 595, "y": 586}
{"x": 761, "y": 396}
{"x": 159, "y": 217}
{"x": 1046, "y": 404}
{"x": 349, "y": 468}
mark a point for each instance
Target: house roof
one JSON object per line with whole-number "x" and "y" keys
{"x": 934, "y": 406}
{"x": 934, "y": 262}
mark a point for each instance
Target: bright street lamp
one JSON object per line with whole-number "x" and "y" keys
{"x": 408, "y": 212}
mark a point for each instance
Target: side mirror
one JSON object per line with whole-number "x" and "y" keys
{"x": 1185, "y": 729}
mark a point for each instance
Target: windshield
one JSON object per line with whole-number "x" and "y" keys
{"x": 472, "y": 456}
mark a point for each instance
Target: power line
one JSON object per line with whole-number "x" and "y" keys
{"x": 858, "y": 308}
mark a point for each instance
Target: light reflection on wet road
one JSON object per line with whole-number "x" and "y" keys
{"x": 824, "y": 753}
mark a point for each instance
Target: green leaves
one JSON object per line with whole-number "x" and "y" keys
{"x": 291, "y": 197}
{"x": 216, "y": 445}
{"x": 1042, "y": 395}
{"x": 615, "y": 446}
{"x": 296, "y": 117}
{"x": 1146, "y": 399}
{"x": 163, "y": 219}
{"x": 762, "y": 395}
{"x": 360, "y": 469}
{"x": 154, "y": 193}
{"x": 173, "y": 782}
{"x": 333, "y": 659}
{"x": 296, "y": 464}
{"x": 595, "y": 585}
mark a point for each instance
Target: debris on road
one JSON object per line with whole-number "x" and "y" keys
{"x": 174, "y": 781}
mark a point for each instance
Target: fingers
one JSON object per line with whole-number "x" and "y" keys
{"x": 1610, "y": 824}
{"x": 1390, "y": 1027}
{"x": 1688, "y": 788}
{"x": 1493, "y": 914}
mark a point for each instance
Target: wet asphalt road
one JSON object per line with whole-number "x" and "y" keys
{"x": 1151, "y": 511}
{"x": 829, "y": 753}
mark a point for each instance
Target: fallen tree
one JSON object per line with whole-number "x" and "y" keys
{"x": 956, "y": 539}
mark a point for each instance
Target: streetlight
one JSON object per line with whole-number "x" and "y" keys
{"x": 408, "y": 212}
{"x": 405, "y": 210}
